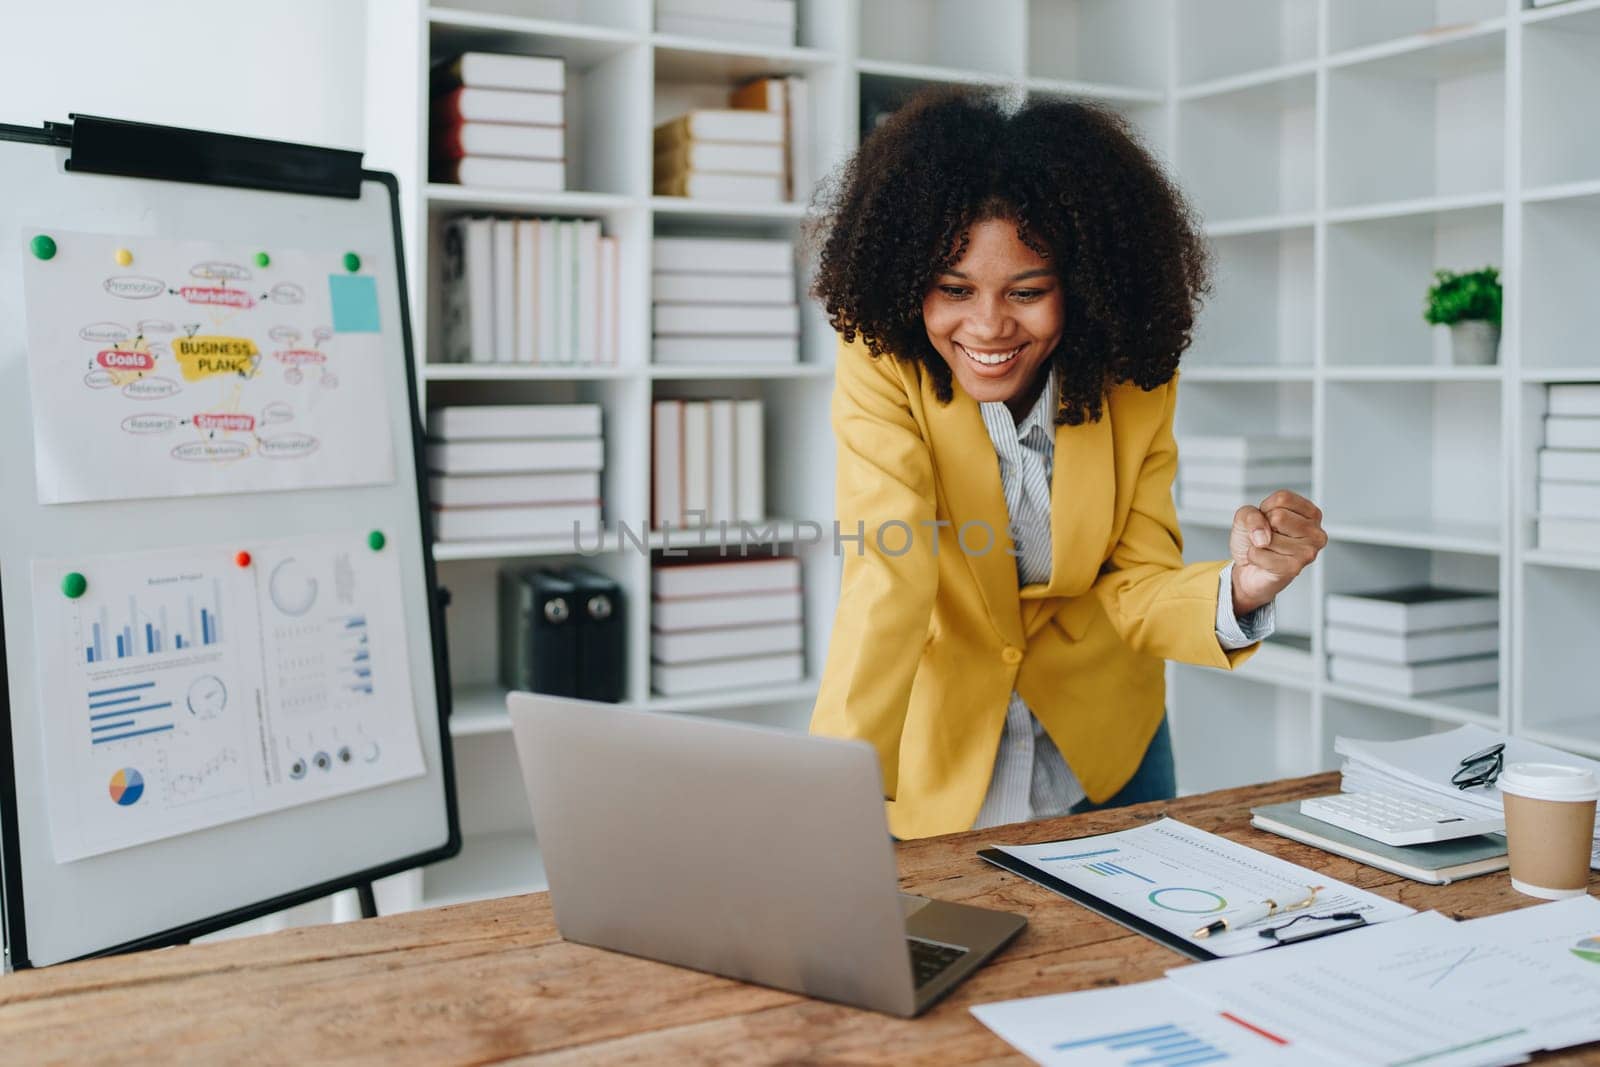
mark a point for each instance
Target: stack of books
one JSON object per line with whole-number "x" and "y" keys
{"x": 1569, "y": 469}
{"x": 769, "y": 22}
{"x": 498, "y": 120}
{"x": 724, "y": 300}
{"x": 709, "y": 463}
{"x": 1415, "y": 640}
{"x": 722, "y": 154}
{"x": 1221, "y": 473}
{"x": 515, "y": 470}
{"x": 529, "y": 291}
{"x": 726, "y": 624}
{"x": 790, "y": 97}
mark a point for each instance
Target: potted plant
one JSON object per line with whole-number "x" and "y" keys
{"x": 1470, "y": 305}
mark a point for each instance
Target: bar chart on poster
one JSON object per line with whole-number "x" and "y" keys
{"x": 222, "y": 648}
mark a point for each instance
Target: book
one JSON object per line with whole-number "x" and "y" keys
{"x": 750, "y": 469}
{"x": 722, "y": 462}
{"x": 1570, "y": 464}
{"x": 690, "y": 349}
{"x": 720, "y": 29}
{"x": 699, "y": 645}
{"x": 704, "y": 185}
{"x": 1414, "y": 607}
{"x": 1569, "y": 500}
{"x": 477, "y": 490}
{"x": 771, "y": 95}
{"x": 537, "y": 175}
{"x": 696, "y": 463}
{"x": 492, "y": 70}
{"x": 1575, "y": 398}
{"x": 1437, "y": 863}
{"x": 498, "y": 139}
{"x": 1571, "y": 431}
{"x": 672, "y": 581}
{"x": 527, "y": 292}
{"x": 530, "y": 520}
{"x": 497, "y": 105}
{"x": 547, "y": 272}
{"x": 721, "y": 157}
{"x": 1569, "y": 535}
{"x": 508, "y": 457}
{"x": 480, "y": 421}
{"x": 610, "y": 328}
{"x": 466, "y": 292}
{"x": 1243, "y": 447}
{"x": 504, "y": 243}
{"x": 708, "y": 288}
{"x": 720, "y": 124}
{"x": 798, "y": 133}
{"x": 667, "y": 484}
{"x": 1415, "y": 679}
{"x": 731, "y": 255}
{"x": 772, "y": 319}
{"x": 672, "y": 680}
{"x": 586, "y": 325}
{"x": 1419, "y": 647}
{"x": 705, "y": 613}
{"x": 1205, "y": 499}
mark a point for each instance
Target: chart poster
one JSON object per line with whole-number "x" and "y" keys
{"x": 163, "y": 368}
{"x": 192, "y": 687}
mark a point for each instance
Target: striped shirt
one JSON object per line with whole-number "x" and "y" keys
{"x": 1031, "y": 780}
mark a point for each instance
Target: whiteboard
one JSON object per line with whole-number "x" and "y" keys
{"x": 183, "y": 884}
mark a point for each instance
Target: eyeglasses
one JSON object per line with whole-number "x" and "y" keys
{"x": 1480, "y": 768}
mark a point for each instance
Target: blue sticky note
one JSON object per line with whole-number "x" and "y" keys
{"x": 355, "y": 303}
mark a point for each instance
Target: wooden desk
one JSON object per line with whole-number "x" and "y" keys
{"x": 481, "y": 983}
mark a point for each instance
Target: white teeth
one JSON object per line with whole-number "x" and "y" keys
{"x": 992, "y": 359}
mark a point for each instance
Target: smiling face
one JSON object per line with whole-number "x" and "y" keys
{"x": 996, "y": 316}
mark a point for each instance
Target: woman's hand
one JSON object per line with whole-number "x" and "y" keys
{"x": 1270, "y": 545}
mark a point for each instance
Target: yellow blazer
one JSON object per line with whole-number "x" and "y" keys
{"x": 929, "y": 640}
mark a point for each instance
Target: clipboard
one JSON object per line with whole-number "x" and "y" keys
{"x": 1120, "y": 916}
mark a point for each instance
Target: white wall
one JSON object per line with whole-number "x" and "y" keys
{"x": 291, "y": 70}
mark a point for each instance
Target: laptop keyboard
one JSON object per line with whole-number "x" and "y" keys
{"x": 929, "y": 959}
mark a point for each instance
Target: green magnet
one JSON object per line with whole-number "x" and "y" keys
{"x": 376, "y": 540}
{"x": 352, "y": 262}
{"x": 74, "y": 584}
{"x": 262, "y": 259}
{"x": 43, "y": 246}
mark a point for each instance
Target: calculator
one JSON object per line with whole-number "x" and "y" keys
{"x": 1397, "y": 820}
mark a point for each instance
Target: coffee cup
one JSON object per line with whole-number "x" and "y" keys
{"x": 1550, "y": 811}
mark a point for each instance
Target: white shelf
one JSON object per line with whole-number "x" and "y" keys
{"x": 1263, "y": 224}
{"x": 1555, "y": 13}
{"x": 725, "y": 209}
{"x": 1249, "y": 80}
{"x": 474, "y": 198}
{"x": 465, "y": 18}
{"x": 1420, "y": 372}
{"x": 490, "y": 865}
{"x": 1248, "y": 372}
{"x": 1094, "y": 91}
{"x": 697, "y": 59}
{"x": 920, "y": 72}
{"x": 478, "y": 710}
{"x": 715, "y": 371}
{"x": 1448, "y": 49}
{"x": 1547, "y": 557}
{"x": 1479, "y": 706}
{"x": 1420, "y": 532}
{"x": 1425, "y": 205}
{"x": 1564, "y": 191}
{"x": 526, "y": 372}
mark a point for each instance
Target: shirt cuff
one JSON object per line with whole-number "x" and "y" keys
{"x": 1234, "y": 632}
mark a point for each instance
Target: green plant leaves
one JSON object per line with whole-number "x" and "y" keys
{"x": 1460, "y": 297}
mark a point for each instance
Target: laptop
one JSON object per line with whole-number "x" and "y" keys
{"x": 746, "y": 851}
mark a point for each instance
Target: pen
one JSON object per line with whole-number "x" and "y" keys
{"x": 1254, "y": 913}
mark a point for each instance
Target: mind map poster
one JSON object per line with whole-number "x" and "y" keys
{"x": 164, "y": 368}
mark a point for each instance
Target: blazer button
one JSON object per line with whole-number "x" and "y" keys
{"x": 1011, "y": 655}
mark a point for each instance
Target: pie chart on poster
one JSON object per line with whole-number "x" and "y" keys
{"x": 127, "y": 786}
{"x": 292, "y": 588}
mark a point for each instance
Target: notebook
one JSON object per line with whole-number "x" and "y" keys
{"x": 1439, "y": 863}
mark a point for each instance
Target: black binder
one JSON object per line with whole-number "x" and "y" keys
{"x": 602, "y": 631}
{"x": 538, "y": 633}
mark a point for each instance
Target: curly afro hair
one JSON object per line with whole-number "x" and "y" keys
{"x": 1084, "y": 194}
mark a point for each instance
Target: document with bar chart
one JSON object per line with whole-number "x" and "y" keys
{"x": 192, "y": 687}
{"x": 1177, "y": 879}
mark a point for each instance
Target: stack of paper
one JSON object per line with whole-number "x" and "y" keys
{"x": 768, "y": 22}
{"x": 1421, "y": 767}
{"x": 497, "y": 120}
{"x": 724, "y": 300}
{"x": 708, "y": 463}
{"x": 529, "y": 291}
{"x": 725, "y": 624}
{"x": 1420, "y": 639}
{"x": 722, "y": 154}
{"x": 515, "y": 470}
{"x": 1569, "y": 470}
{"x": 1223, "y": 472}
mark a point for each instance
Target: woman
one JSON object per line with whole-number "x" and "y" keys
{"x": 1013, "y": 291}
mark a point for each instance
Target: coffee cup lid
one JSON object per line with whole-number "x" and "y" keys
{"x": 1549, "y": 781}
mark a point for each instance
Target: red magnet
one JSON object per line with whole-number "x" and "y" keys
{"x": 242, "y": 559}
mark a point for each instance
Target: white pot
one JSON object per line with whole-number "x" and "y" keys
{"x": 1474, "y": 343}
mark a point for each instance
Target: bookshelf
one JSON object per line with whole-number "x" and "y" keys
{"x": 1338, "y": 150}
